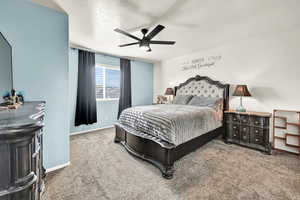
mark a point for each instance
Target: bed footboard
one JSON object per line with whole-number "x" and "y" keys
{"x": 161, "y": 157}
{"x": 147, "y": 150}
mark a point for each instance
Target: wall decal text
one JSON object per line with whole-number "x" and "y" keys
{"x": 198, "y": 63}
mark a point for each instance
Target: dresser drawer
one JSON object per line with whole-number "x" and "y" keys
{"x": 257, "y": 136}
{"x": 245, "y": 134}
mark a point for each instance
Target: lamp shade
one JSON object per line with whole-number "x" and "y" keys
{"x": 169, "y": 91}
{"x": 241, "y": 91}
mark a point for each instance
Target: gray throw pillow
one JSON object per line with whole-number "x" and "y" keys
{"x": 182, "y": 99}
{"x": 203, "y": 101}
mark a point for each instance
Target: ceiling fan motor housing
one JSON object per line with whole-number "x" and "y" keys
{"x": 144, "y": 31}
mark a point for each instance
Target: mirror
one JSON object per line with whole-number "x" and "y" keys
{"x": 6, "y": 76}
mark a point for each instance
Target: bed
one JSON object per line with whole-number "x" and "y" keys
{"x": 162, "y": 134}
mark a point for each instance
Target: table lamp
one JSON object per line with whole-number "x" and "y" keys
{"x": 169, "y": 92}
{"x": 241, "y": 91}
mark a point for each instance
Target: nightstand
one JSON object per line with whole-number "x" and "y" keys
{"x": 248, "y": 129}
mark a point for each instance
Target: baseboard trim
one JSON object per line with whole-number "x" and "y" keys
{"x": 92, "y": 130}
{"x": 58, "y": 167}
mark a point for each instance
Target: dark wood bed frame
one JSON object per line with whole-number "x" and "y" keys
{"x": 163, "y": 157}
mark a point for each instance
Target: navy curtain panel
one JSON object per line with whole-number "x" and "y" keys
{"x": 125, "y": 85}
{"x": 86, "y": 107}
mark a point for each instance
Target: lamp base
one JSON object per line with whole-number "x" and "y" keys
{"x": 240, "y": 109}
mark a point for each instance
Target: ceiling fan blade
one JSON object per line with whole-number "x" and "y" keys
{"x": 129, "y": 44}
{"x": 127, "y": 34}
{"x": 155, "y": 31}
{"x": 162, "y": 42}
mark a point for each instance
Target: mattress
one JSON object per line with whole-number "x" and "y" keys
{"x": 175, "y": 124}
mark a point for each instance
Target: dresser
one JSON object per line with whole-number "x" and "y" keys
{"x": 21, "y": 152}
{"x": 249, "y": 129}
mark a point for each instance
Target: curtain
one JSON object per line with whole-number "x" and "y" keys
{"x": 86, "y": 108}
{"x": 125, "y": 85}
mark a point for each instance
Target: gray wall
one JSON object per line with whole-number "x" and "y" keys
{"x": 39, "y": 37}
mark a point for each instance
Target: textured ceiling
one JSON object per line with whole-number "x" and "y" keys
{"x": 50, "y": 4}
{"x": 194, "y": 24}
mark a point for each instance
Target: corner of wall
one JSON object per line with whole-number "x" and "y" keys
{"x": 157, "y": 79}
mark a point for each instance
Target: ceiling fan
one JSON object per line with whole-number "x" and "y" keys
{"x": 145, "y": 42}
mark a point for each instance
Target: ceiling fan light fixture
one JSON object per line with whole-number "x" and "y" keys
{"x": 145, "y": 47}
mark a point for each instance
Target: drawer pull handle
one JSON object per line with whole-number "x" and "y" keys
{"x": 256, "y": 131}
{"x": 256, "y": 140}
{"x": 256, "y": 122}
{"x": 244, "y": 129}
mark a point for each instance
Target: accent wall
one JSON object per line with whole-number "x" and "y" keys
{"x": 107, "y": 110}
{"x": 40, "y": 44}
{"x": 5, "y": 67}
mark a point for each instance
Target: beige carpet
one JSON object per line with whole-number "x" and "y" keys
{"x": 101, "y": 169}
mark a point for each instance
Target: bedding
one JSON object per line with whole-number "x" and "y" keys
{"x": 175, "y": 124}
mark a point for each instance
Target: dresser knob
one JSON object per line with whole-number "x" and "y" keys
{"x": 256, "y": 140}
{"x": 256, "y": 131}
{"x": 244, "y": 129}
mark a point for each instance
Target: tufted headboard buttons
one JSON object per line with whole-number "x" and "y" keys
{"x": 202, "y": 89}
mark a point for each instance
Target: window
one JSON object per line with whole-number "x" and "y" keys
{"x": 107, "y": 82}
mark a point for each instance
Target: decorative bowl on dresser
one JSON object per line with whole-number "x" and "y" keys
{"x": 249, "y": 129}
{"x": 21, "y": 152}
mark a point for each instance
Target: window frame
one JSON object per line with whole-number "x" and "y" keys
{"x": 111, "y": 67}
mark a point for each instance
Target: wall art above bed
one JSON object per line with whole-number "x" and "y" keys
{"x": 198, "y": 63}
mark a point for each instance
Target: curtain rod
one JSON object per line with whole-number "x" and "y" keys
{"x": 79, "y": 47}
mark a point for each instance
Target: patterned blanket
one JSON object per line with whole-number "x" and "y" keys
{"x": 172, "y": 123}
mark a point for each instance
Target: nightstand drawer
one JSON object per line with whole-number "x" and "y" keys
{"x": 244, "y": 119}
{"x": 236, "y": 134}
{"x": 257, "y": 121}
{"x": 234, "y": 131}
{"x": 257, "y": 136}
{"x": 245, "y": 134}
{"x": 233, "y": 118}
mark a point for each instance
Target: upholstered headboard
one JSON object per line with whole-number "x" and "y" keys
{"x": 203, "y": 86}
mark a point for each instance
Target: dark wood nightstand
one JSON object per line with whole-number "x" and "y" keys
{"x": 249, "y": 129}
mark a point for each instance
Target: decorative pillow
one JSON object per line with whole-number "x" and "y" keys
{"x": 203, "y": 101}
{"x": 182, "y": 99}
